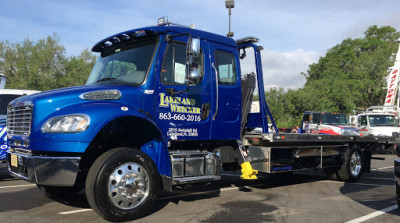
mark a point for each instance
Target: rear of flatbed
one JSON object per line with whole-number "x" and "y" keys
{"x": 342, "y": 157}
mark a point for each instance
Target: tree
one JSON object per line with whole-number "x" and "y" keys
{"x": 43, "y": 65}
{"x": 351, "y": 76}
{"x": 78, "y": 69}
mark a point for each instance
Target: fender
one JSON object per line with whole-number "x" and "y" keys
{"x": 100, "y": 113}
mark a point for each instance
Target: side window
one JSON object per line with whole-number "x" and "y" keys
{"x": 316, "y": 118}
{"x": 363, "y": 120}
{"x": 173, "y": 70}
{"x": 306, "y": 118}
{"x": 226, "y": 66}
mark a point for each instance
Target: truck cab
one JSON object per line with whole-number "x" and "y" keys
{"x": 165, "y": 101}
{"x": 332, "y": 123}
{"x": 378, "y": 124}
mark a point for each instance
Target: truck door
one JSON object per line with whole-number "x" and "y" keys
{"x": 306, "y": 123}
{"x": 184, "y": 115}
{"x": 226, "y": 109}
{"x": 315, "y": 122}
{"x": 363, "y": 125}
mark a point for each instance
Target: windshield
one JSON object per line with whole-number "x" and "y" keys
{"x": 334, "y": 119}
{"x": 382, "y": 120}
{"x": 127, "y": 64}
{"x": 4, "y": 100}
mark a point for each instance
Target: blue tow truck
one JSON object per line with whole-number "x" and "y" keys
{"x": 163, "y": 106}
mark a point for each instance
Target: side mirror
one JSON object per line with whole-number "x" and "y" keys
{"x": 194, "y": 61}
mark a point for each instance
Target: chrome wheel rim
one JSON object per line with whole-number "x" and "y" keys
{"x": 355, "y": 164}
{"x": 128, "y": 186}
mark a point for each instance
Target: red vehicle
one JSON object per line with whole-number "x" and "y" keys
{"x": 330, "y": 123}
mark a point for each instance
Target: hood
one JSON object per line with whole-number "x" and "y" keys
{"x": 383, "y": 130}
{"x": 339, "y": 130}
{"x": 59, "y": 98}
{"x": 68, "y": 101}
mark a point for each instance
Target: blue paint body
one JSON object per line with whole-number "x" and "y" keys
{"x": 148, "y": 101}
{"x": 3, "y": 140}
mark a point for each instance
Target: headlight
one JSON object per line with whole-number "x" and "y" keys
{"x": 68, "y": 123}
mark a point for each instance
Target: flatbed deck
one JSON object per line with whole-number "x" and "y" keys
{"x": 293, "y": 139}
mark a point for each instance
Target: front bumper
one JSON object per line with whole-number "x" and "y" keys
{"x": 44, "y": 170}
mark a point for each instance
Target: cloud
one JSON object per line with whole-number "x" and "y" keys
{"x": 295, "y": 33}
{"x": 282, "y": 69}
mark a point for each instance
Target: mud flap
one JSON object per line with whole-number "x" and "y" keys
{"x": 367, "y": 161}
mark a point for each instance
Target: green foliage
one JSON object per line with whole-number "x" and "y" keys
{"x": 351, "y": 76}
{"x": 43, "y": 65}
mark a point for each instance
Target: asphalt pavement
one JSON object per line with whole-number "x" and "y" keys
{"x": 306, "y": 196}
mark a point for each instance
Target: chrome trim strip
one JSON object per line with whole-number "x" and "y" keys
{"x": 14, "y": 174}
{"x": 216, "y": 80}
{"x": 186, "y": 180}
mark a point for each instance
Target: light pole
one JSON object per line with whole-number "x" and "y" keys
{"x": 229, "y": 4}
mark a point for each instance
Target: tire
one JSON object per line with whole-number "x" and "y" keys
{"x": 122, "y": 184}
{"x": 398, "y": 195}
{"x": 353, "y": 166}
{"x": 60, "y": 191}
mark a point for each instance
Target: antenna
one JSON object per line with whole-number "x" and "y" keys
{"x": 229, "y": 4}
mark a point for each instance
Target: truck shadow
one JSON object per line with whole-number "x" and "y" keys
{"x": 375, "y": 190}
{"x": 196, "y": 192}
{"x": 4, "y": 175}
{"x": 78, "y": 200}
{"x": 16, "y": 200}
{"x": 371, "y": 196}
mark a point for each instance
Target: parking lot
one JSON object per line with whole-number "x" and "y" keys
{"x": 299, "y": 197}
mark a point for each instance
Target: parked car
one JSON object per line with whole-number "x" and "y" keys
{"x": 330, "y": 123}
{"x": 7, "y": 95}
{"x": 378, "y": 122}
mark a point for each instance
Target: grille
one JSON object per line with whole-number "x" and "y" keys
{"x": 19, "y": 119}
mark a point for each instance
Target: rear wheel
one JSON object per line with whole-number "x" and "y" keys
{"x": 122, "y": 184}
{"x": 353, "y": 166}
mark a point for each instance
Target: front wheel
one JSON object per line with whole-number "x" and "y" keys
{"x": 398, "y": 195}
{"x": 353, "y": 166}
{"x": 122, "y": 184}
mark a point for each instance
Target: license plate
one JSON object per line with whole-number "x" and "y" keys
{"x": 14, "y": 160}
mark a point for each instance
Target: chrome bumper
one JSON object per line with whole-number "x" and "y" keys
{"x": 44, "y": 170}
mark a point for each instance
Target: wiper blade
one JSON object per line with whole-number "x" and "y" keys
{"x": 106, "y": 79}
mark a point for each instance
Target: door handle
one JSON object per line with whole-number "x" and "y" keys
{"x": 205, "y": 111}
{"x": 216, "y": 87}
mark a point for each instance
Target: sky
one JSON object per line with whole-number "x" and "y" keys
{"x": 294, "y": 33}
